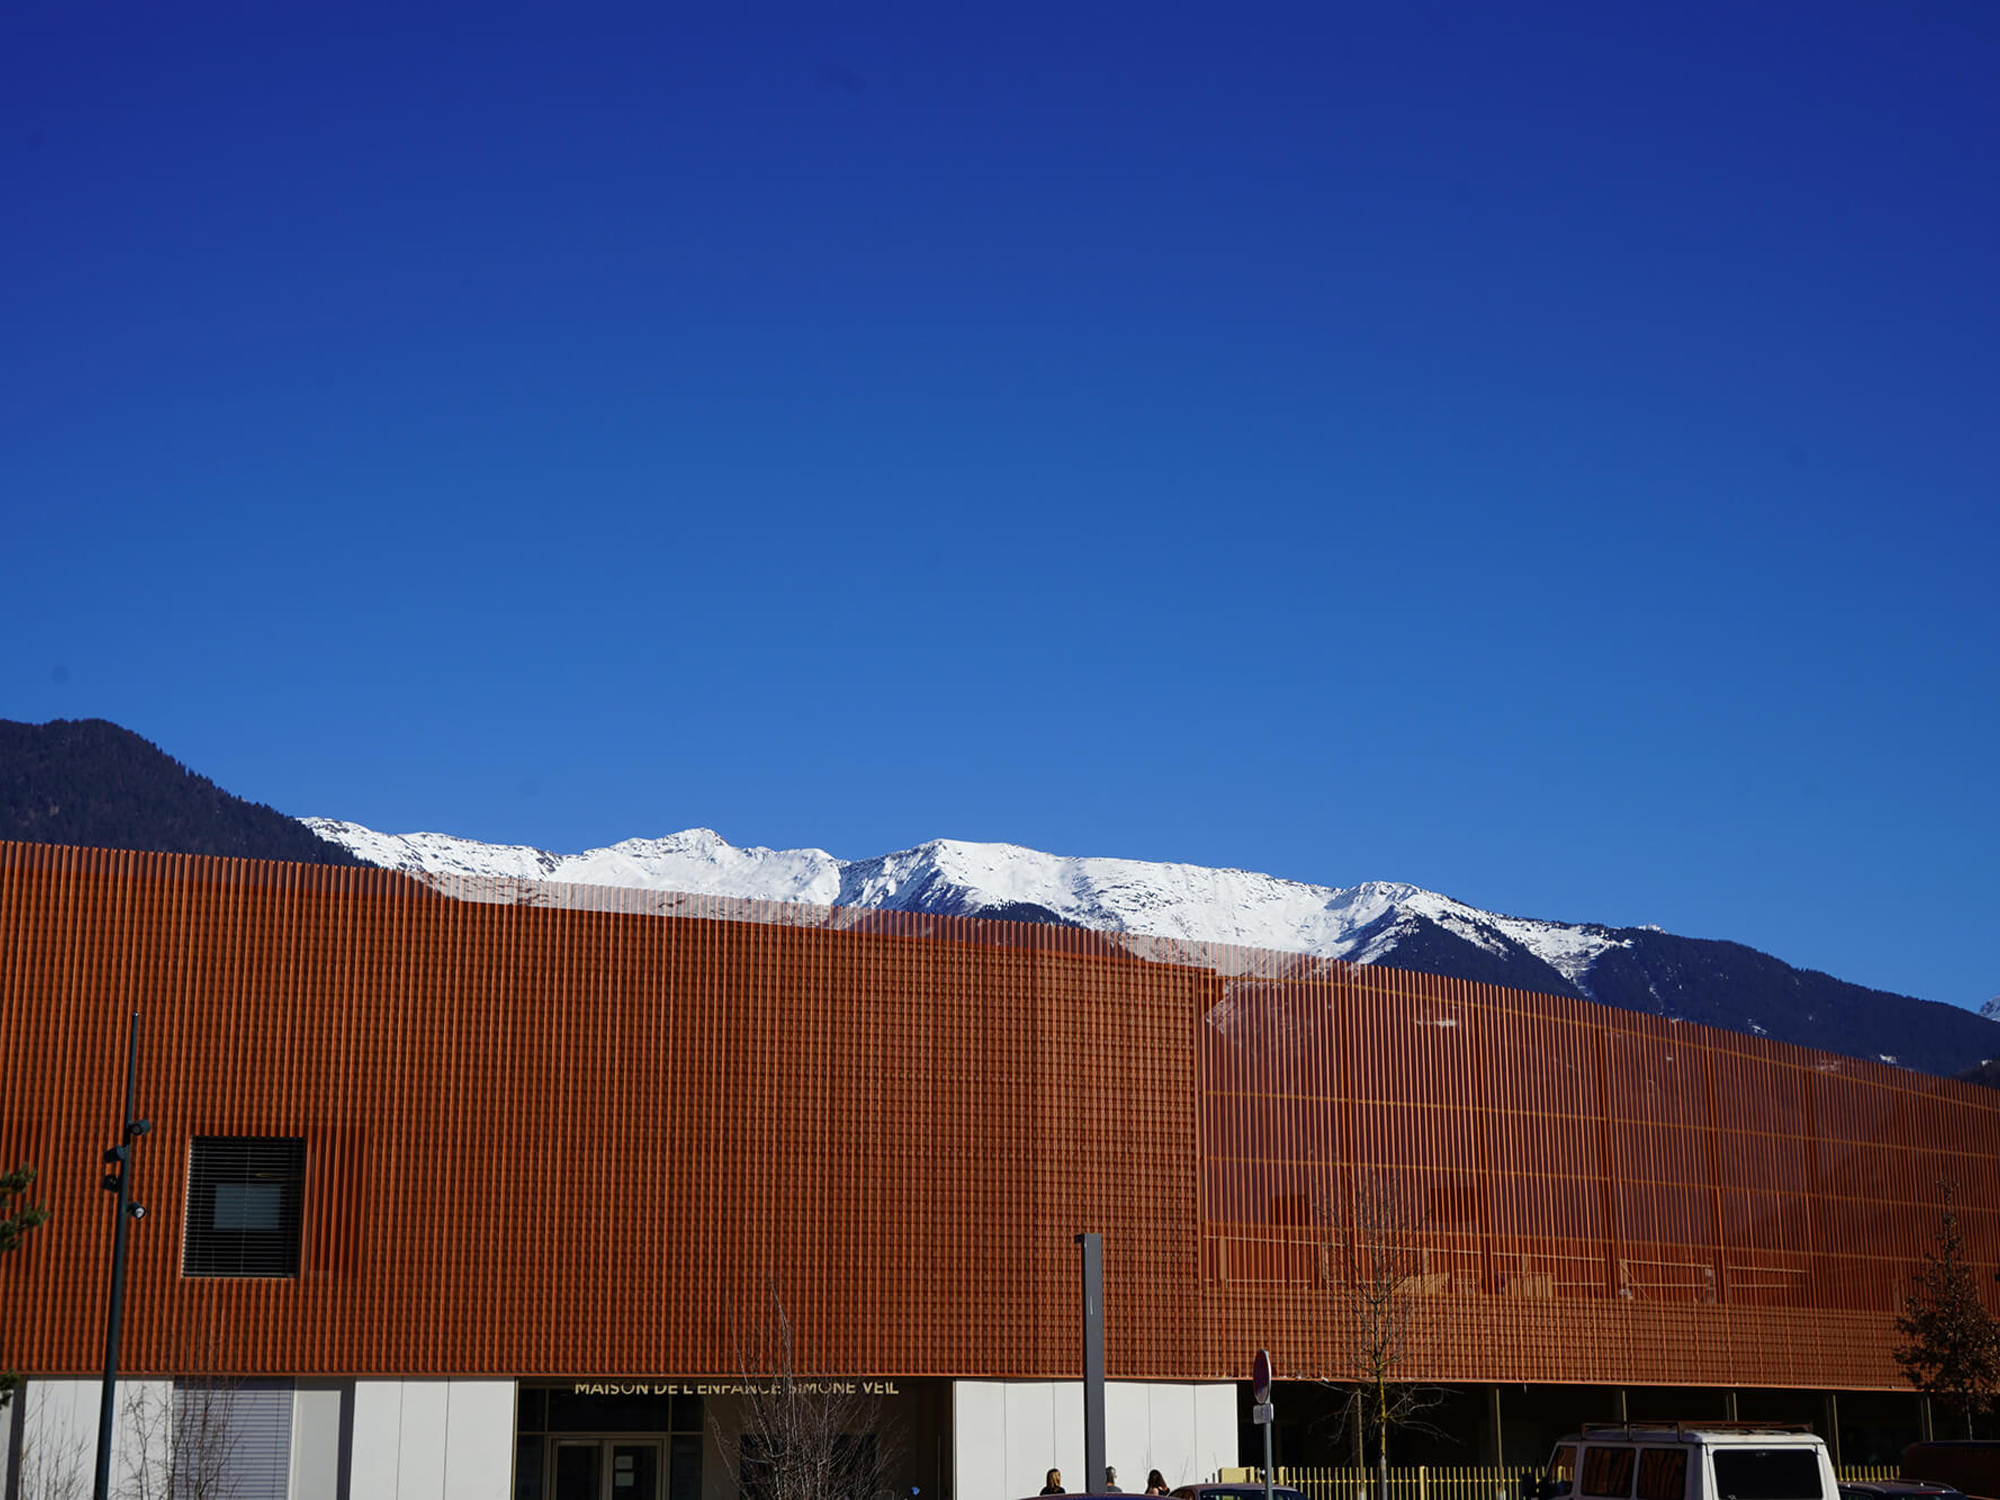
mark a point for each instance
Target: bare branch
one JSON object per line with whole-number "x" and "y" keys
{"x": 181, "y": 1441}
{"x": 55, "y": 1466}
{"x": 803, "y": 1439}
{"x": 1376, "y": 1272}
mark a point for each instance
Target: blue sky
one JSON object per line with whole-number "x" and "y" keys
{"x": 1544, "y": 453}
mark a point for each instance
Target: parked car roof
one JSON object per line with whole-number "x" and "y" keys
{"x": 1761, "y": 1434}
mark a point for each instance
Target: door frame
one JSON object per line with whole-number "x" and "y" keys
{"x": 607, "y": 1481}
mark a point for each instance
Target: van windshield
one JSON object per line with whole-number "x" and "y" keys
{"x": 1767, "y": 1474}
{"x": 1562, "y": 1469}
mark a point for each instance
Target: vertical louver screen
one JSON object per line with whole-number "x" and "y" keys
{"x": 231, "y": 1438}
{"x": 244, "y": 1202}
{"x": 907, "y": 1107}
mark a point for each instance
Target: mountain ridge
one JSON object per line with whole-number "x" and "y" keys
{"x": 94, "y": 784}
{"x": 1712, "y": 981}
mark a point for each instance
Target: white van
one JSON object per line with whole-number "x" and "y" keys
{"x": 1690, "y": 1461}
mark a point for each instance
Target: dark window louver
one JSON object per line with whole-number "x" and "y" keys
{"x": 245, "y": 1206}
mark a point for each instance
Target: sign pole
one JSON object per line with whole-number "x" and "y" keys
{"x": 1260, "y": 1410}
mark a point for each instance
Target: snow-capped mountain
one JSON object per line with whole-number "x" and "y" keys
{"x": 1635, "y": 968}
{"x": 95, "y": 784}
{"x": 1361, "y": 923}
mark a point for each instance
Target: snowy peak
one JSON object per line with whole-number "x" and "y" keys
{"x": 435, "y": 853}
{"x": 696, "y": 860}
{"x": 1375, "y": 922}
{"x": 1360, "y": 923}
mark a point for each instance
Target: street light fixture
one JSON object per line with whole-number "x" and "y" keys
{"x": 119, "y": 1180}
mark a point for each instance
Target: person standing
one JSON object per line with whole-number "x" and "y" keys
{"x": 1111, "y": 1481}
{"x": 1053, "y": 1485}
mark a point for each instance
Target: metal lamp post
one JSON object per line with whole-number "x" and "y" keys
{"x": 119, "y": 1180}
{"x": 1093, "y": 1361}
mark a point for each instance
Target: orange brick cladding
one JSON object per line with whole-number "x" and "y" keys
{"x": 561, "y": 1131}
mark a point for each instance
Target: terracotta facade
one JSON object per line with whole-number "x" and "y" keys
{"x": 564, "y": 1132}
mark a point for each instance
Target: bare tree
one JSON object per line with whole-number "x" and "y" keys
{"x": 54, "y": 1466}
{"x": 803, "y": 1439}
{"x": 182, "y": 1441}
{"x": 1375, "y": 1270}
{"x": 178, "y": 1443}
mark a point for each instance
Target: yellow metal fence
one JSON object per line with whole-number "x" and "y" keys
{"x": 1469, "y": 1482}
{"x": 1465, "y": 1482}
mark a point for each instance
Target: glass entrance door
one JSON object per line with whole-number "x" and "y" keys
{"x": 606, "y": 1469}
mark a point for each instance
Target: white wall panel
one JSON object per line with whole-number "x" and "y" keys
{"x": 378, "y": 1439}
{"x": 58, "y": 1435}
{"x": 316, "y": 1412}
{"x": 1067, "y": 1398}
{"x": 1033, "y": 1435}
{"x": 1215, "y": 1430}
{"x": 420, "y": 1459}
{"x": 1171, "y": 1436}
{"x": 979, "y": 1440}
{"x": 479, "y": 1441}
{"x": 59, "y": 1431}
{"x": 1007, "y": 1434}
{"x": 1128, "y": 1433}
{"x": 432, "y": 1440}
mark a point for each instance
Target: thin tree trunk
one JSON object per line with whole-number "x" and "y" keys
{"x": 1382, "y": 1434}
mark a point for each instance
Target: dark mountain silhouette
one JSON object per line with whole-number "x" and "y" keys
{"x": 88, "y": 782}
{"x": 1409, "y": 940}
{"x": 1741, "y": 989}
{"x": 1988, "y": 1073}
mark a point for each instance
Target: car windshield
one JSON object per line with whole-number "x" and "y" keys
{"x": 1562, "y": 1469}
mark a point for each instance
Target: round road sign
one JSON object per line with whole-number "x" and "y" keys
{"x": 1260, "y": 1377}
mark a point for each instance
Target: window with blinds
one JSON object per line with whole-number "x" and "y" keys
{"x": 230, "y": 1438}
{"x": 245, "y": 1204}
